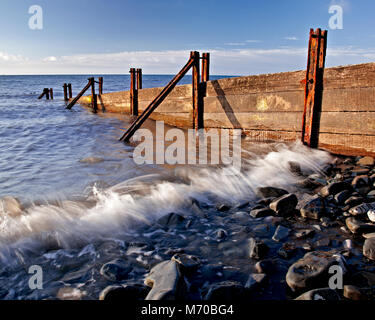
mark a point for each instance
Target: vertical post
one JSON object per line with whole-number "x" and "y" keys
{"x": 93, "y": 95}
{"x": 70, "y": 90}
{"x": 205, "y": 67}
{"x": 47, "y": 93}
{"x": 65, "y": 86}
{"x": 314, "y": 87}
{"x": 100, "y": 85}
{"x": 133, "y": 94}
{"x": 139, "y": 78}
{"x": 197, "y": 103}
{"x": 51, "y": 93}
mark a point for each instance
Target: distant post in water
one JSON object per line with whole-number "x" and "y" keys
{"x": 51, "y": 93}
{"x": 65, "y": 86}
{"x": 139, "y": 78}
{"x": 47, "y": 93}
{"x": 70, "y": 90}
{"x": 133, "y": 94}
{"x": 314, "y": 87}
{"x": 205, "y": 67}
{"x": 197, "y": 105}
{"x": 93, "y": 95}
{"x": 100, "y": 85}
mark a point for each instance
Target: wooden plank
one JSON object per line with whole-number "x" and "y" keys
{"x": 349, "y": 99}
{"x": 362, "y": 123}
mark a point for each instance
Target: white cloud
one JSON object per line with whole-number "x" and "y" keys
{"x": 235, "y": 61}
{"x": 235, "y": 44}
{"x": 253, "y": 41}
{"x": 291, "y": 38}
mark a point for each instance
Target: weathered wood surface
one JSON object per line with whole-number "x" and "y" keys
{"x": 270, "y": 107}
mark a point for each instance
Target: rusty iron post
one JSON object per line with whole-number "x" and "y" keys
{"x": 93, "y": 95}
{"x": 100, "y": 85}
{"x": 74, "y": 101}
{"x": 314, "y": 87}
{"x": 205, "y": 67}
{"x": 65, "y": 86}
{"x": 51, "y": 93}
{"x": 139, "y": 78}
{"x": 42, "y": 95}
{"x": 197, "y": 103}
{"x": 47, "y": 93}
{"x": 70, "y": 90}
{"x": 133, "y": 94}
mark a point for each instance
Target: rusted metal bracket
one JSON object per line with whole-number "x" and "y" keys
{"x": 74, "y": 101}
{"x": 314, "y": 87}
{"x": 159, "y": 99}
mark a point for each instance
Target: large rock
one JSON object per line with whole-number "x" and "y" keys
{"x": 312, "y": 271}
{"x": 360, "y": 182}
{"x": 334, "y": 188}
{"x": 116, "y": 270}
{"x": 284, "y": 205}
{"x": 257, "y": 249}
{"x": 261, "y": 213}
{"x": 353, "y": 293}
{"x": 320, "y": 294}
{"x": 314, "y": 209}
{"x": 166, "y": 282}
{"x": 255, "y": 281}
{"x": 369, "y": 248}
{"x": 135, "y": 292}
{"x": 359, "y": 227}
{"x": 225, "y": 291}
{"x": 268, "y": 192}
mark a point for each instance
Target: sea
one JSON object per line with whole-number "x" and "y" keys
{"x": 73, "y": 198}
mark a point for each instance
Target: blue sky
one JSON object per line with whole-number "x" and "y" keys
{"x": 244, "y": 37}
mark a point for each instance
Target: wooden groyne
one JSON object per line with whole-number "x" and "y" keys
{"x": 332, "y": 108}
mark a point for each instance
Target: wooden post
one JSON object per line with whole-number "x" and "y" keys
{"x": 70, "y": 90}
{"x": 314, "y": 87}
{"x": 93, "y": 95}
{"x": 205, "y": 67}
{"x": 139, "y": 78}
{"x": 197, "y": 105}
{"x": 133, "y": 94}
{"x": 100, "y": 85}
{"x": 47, "y": 93}
{"x": 51, "y": 93}
{"x": 42, "y": 95}
{"x": 65, "y": 86}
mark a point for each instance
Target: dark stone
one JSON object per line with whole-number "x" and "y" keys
{"x": 295, "y": 168}
{"x": 342, "y": 196}
{"x": 353, "y": 293}
{"x": 116, "y": 270}
{"x": 312, "y": 270}
{"x": 171, "y": 220}
{"x": 314, "y": 209}
{"x": 261, "y": 213}
{"x": 225, "y": 291}
{"x": 369, "y": 248}
{"x": 221, "y": 234}
{"x": 166, "y": 282}
{"x": 281, "y": 233}
{"x": 188, "y": 264}
{"x": 265, "y": 266}
{"x": 358, "y": 227}
{"x": 284, "y": 205}
{"x": 371, "y": 195}
{"x": 360, "y": 182}
{"x": 257, "y": 248}
{"x": 287, "y": 251}
{"x": 267, "y": 192}
{"x": 320, "y": 294}
{"x": 325, "y": 242}
{"x": 135, "y": 292}
{"x": 255, "y": 281}
{"x": 353, "y": 201}
{"x": 334, "y": 188}
{"x": 223, "y": 207}
{"x": 362, "y": 209}
{"x": 304, "y": 233}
